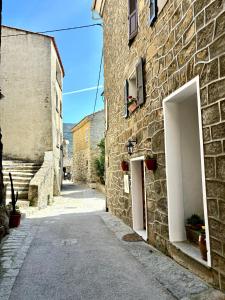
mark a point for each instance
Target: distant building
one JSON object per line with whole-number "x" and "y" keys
{"x": 86, "y": 136}
{"x": 31, "y": 116}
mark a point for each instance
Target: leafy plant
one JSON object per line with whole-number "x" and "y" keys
{"x": 14, "y": 197}
{"x": 100, "y": 162}
{"x": 195, "y": 220}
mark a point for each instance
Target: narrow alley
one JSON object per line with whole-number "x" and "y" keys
{"x": 74, "y": 250}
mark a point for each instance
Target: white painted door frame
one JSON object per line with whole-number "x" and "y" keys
{"x": 171, "y": 164}
{"x": 137, "y": 200}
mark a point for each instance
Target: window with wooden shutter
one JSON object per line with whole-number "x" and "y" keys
{"x": 153, "y": 11}
{"x": 133, "y": 18}
{"x": 140, "y": 82}
{"x": 126, "y": 91}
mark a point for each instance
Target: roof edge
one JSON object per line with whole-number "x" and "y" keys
{"x": 86, "y": 118}
{"x": 44, "y": 35}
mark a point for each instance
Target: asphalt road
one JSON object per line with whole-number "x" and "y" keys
{"x": 75, "y": 256}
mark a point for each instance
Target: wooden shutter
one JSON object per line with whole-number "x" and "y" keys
{"x": 133, "y": 18}
{"x": 140, "y": 82}
{"x": 153, "y": 11}
{"x": 126, "y": 91}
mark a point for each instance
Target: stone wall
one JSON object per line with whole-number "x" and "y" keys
{"x": 41, "y": 186}
{"x": 187, "y": 40}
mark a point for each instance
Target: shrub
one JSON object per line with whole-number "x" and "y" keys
{"x": 100, "y": 162}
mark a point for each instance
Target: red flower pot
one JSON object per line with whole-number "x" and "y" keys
{"x": 202, "y": 246}
{"x": 14, "y": 220}
{"x": 124, "y": 165}
{"x": 132, "y": 107}
{"x": 151, "y": 164}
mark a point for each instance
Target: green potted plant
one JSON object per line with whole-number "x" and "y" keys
{"x": 131, "y": 104}
{"x": 14, "y": 215}
{"x": 193, "y": 228}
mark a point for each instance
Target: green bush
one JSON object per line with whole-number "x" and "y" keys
{"x": 100, "y": 162}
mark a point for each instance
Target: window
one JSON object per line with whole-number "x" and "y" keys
{"x": 58, "y": 74}
{"x": 134, "y": 89}
{"x": 133, "y": 18}
{"x": 153, "y": 11}
{"x": 56, "y": 102}
{"x": 155, "y": 8}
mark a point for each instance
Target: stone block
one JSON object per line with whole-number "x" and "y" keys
{"x": 205, "y": 36}
{"x": 211, "y": 115}
{"x": 187, "y": 52}
{"x": 222, "y": 211}
{"x": 213, "y": 10}
{"x": 210, "y": 168}
{"x": 218, "y": 47}
{"x": 185, "y": 5}
{"x": 200, "y": 20}
{"x": 184, "y": 24}
{"x": 158, "y": 142}
{"x": 209, "y": 72}
{"x": 206, "y": 134}
{"x": 216, "y": 246}
{"x": 222, "y": 109}
{"x": 220, "y": 25}
{"x": 222, "y": 66}
{"x": 202, "y": 56}
{"x": 216, "y": 90}
{"x": 216, "y": 229}
{"x": 204, "y": 96}
{"x": 199, "y": 5}
{"x": 213, "y": 148}
{"x": 213, "y": 210}
{"x": 218, "y": 131}
{"x": 220, "y": 167}
{"x": 162, "y": 205}
{"x": 215, "y": 189}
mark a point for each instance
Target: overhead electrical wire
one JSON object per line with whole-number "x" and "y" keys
{"x": 99, "y": 77}
{"x": 54, "y": 30}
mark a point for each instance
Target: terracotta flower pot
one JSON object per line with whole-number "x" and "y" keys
{"x": 151, "y": 164}
{"x": 202, "y": 246}
{"x": 14, "y": 220}
{"x": 132, "y": 107}
{"x": 124, "y": 165}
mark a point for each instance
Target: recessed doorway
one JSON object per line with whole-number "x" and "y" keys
{"x": 185, "y": 165}
{"x": 138, "y": 192}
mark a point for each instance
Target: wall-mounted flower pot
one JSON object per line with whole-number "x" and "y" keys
{"x": 124, "y": 165}
{"x": 151, "y": 164}
{"x": 14, "y": 220}
{"x": 132, "y": 107}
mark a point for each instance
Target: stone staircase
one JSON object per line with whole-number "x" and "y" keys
{"x": 22, "y": 173}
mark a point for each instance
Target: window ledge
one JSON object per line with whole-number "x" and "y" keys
{"x": 191, "y": 250}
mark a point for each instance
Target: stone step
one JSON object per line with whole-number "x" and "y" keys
{"x": 19, "y": 174}
{"x": 20, "y": 163}
{"x": 18, "y": 185}
{"x": 21, "y": 168}
{"x": 17, "y": 180}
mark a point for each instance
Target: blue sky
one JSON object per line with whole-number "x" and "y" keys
{"x": 80, "y": 50}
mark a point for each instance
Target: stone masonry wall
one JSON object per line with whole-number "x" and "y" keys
{"x": 187, "y": 39}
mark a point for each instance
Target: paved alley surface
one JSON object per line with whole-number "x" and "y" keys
{"x": 73, "y": 250}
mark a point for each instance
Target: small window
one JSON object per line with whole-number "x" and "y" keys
{"x": 57, "y": 102}
{"x": 153, "y": 11}
{"x": 134, "y": 90}
{"x": 133, "y": 18}
{"x": 58, "y": 74}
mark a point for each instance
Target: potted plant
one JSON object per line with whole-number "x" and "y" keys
{"x": 15, "y": 215}
{"x": 193, "y": 228}
{"x": 124, "y": 165}
{"x": 150, "y": 163}
{"x": 131, "y": 103}
{"x": 202, "y": 244}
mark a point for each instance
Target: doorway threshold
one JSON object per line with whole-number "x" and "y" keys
{"x": 142, "y": 233}
{"x": 191, "y": 250}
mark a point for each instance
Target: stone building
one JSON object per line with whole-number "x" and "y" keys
{"x": 31, "y": 115}
{"x": 170, "y": 62}
{"x": 86, "y": 136}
